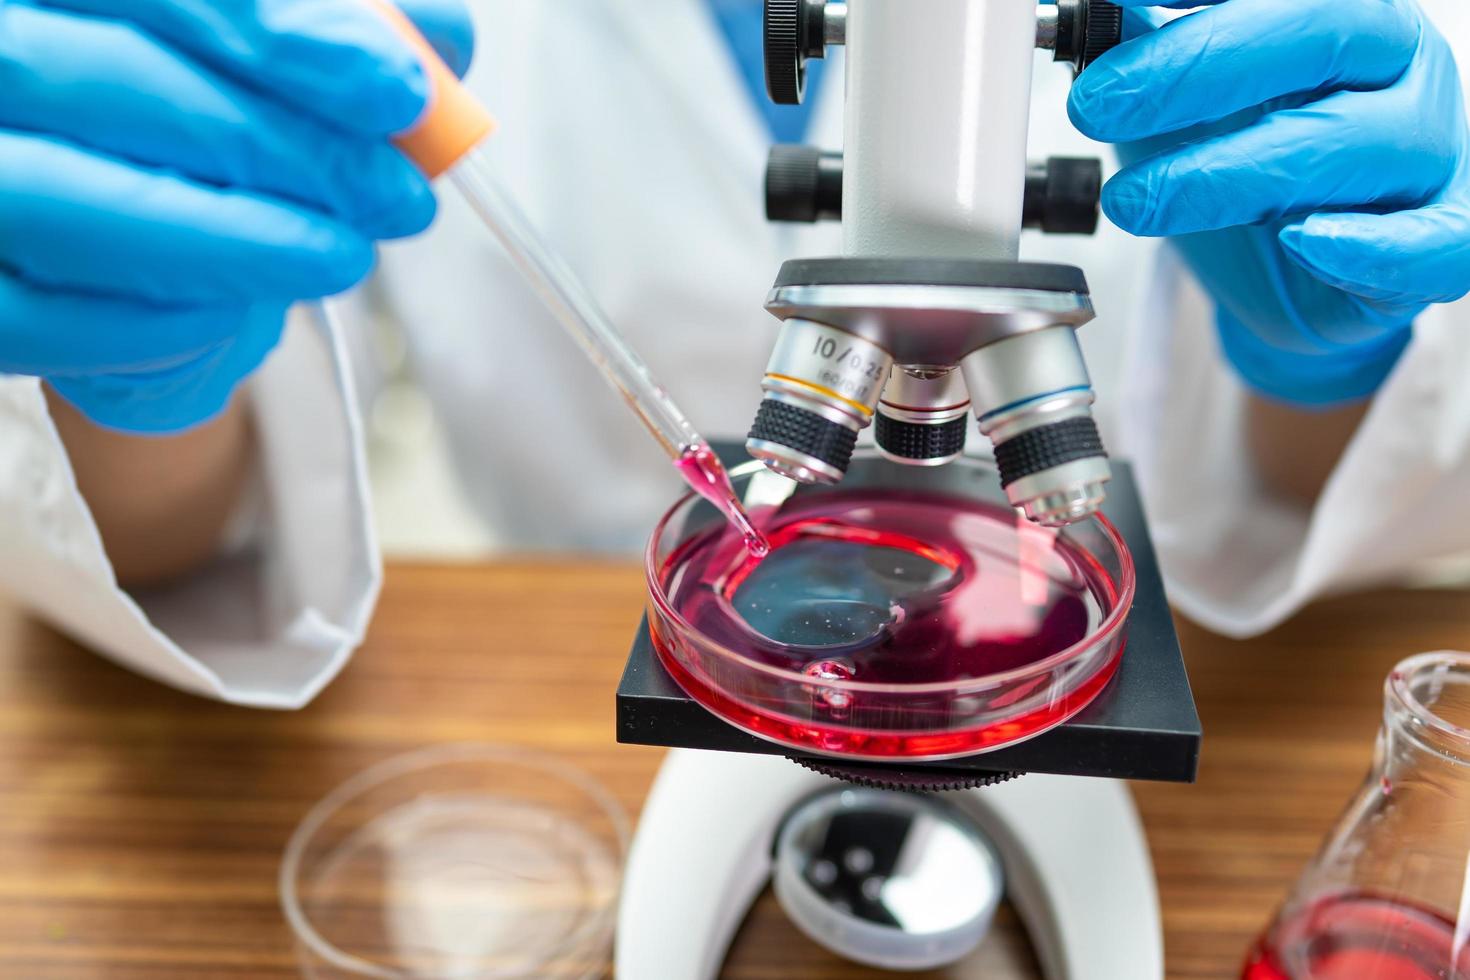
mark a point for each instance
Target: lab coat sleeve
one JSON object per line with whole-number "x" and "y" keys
{"x": 1239, "y": 561}
{"x": 271, "y": 620}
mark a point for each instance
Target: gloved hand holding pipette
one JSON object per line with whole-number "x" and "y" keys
{"x": 175, "y": 173}
{"x": 162, "y": 249}
{"x": 1312, "y": 162}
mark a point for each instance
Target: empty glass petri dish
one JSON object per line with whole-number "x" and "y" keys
{"x": 457, "y": 862}
{"x": 907, "y": 613}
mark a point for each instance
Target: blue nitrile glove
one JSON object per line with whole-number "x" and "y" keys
{"x": 1311, "y": 161}
{"x": 175, "y": 173}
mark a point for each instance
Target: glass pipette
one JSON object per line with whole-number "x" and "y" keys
{"x": 450, "y": 139}
{"x": 574, "y": 308}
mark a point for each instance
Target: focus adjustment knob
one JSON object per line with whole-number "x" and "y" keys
{"x": 803, "y": 184}
{"x": 795, "y": 30}
{"x": 1062, "y": 195}
{"x": 1086, "y": 30}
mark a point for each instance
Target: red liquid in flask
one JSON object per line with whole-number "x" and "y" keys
{"x": 888, "y": 588}
{"x": 1360, "y": 937}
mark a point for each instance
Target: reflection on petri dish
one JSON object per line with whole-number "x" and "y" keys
{"x": 891, "y": 620}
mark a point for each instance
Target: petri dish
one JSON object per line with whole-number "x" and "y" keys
{"x": 909, "y": 613}
{"x": 457, "y": 862}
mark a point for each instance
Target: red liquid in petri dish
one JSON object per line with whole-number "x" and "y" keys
{"x": 1359, "y": 937}
{"x": 891, "y": 588}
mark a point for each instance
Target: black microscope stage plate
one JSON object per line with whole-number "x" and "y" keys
{"x": 1143, "y": 725}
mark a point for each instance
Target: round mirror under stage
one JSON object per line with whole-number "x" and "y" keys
{"x": 908, "y": 613}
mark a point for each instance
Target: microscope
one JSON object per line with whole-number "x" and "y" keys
{"x": 928, "y": 317}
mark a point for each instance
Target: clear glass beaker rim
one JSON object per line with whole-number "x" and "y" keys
{"x": 1126, "y": 585}
{"x": 1407, "y": 710}
{"x": 598, "y": 924}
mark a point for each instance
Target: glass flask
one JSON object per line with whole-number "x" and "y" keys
{"x": 1388, "y": 896}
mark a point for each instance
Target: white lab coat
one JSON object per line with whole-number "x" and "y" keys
{"x": 629, "y": 138}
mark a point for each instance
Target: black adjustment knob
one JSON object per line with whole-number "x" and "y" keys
{"x": 795, "y": 30}
{"x": 1086, "y": 30}
{"x": 804, "y": 184}
{"x": 1062, "y": 195}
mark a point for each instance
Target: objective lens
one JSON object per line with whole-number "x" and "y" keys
{"x": 1051, "y": 458}
{"x": 821, "y": 389}
{"x": 1034, "y": 400}
{"x": 924, "y": 416}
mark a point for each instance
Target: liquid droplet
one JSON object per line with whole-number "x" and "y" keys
{"x": 704, "y": 473}
{"x": 831, "y": 670}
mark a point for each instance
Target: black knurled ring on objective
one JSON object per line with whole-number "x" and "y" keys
{"x": 1047, "y": 446}
{"x": 806, "y": 432}
{"x": 915, "y": 440}
{"x": 785, "y": 66}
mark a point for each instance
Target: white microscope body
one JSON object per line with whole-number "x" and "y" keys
{"x": 1077, "y": 866}
{"x": 938, "y": 97}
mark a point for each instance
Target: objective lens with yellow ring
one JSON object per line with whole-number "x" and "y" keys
{"x": 822, "y": 387}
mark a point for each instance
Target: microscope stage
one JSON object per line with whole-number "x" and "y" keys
{"x": 1142, "y": 726}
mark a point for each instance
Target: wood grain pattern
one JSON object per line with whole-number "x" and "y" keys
{"x": 140, "y": 828}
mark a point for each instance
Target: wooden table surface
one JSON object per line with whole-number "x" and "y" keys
{"x": 140, "y": 828}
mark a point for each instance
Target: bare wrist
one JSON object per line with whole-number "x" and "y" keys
{"x": 161, "y": 504}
